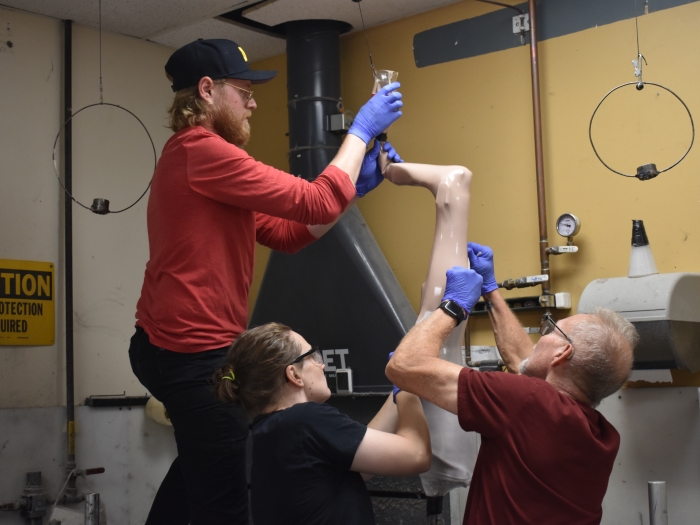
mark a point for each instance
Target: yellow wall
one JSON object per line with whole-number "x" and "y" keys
{"x": 478, "y": 112}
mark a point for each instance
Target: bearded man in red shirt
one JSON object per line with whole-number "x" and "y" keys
{"x": 210, "y": 203}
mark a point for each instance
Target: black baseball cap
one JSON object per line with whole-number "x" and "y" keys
{"x": 216, "y": 58}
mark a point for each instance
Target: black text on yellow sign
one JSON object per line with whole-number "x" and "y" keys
{"x": 27, "y": 307}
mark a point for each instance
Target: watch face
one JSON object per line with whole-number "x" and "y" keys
{"x": 453, "y": 309}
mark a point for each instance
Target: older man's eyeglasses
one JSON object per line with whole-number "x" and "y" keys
{"x": 547, "y": 326}
{"x": 315, "y": 354}
{"x": 248, "y": 93}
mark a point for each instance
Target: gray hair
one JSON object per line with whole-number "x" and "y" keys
{"x": 604, "y": 342}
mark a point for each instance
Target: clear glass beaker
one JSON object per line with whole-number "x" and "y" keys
{"x": 383, "y": 77}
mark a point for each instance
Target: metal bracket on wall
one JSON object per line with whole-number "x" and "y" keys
{"x": 339, "y": 123}
{"x": 521, "y": 23}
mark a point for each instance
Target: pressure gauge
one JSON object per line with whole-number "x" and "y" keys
{"x": 568, "y": 225}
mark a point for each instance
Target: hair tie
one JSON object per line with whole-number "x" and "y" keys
{"x": 230, "y": 376}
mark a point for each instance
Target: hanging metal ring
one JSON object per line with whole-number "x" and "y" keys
{"x": 93, "y": 208}
{"x": 640, "y": 86}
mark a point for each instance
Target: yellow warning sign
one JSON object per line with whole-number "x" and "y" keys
{"x": 27, "y": 305}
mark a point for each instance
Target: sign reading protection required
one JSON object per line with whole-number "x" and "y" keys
{"x": 27, "y": 305}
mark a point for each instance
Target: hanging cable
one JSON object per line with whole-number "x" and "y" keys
{"x": 640, "y": 58}
{"x": 95, "y": 208}
{"x": 646, "y": 171}
{"x": 101, "y": 206}
{"x": 100, "y": 22}
{"x": 364, "y": 29}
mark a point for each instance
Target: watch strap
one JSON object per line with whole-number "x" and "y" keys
{"x": 453, "y": 309}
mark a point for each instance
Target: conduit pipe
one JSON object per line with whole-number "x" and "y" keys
{"x": 539, "y": 156}
{"x": 68, "y": 247}
{"x": 70, "y": 491}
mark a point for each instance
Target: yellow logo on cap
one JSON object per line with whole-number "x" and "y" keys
{"x": 243, "y": 53}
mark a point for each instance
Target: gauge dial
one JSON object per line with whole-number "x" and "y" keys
{"x": 568, "y": 225}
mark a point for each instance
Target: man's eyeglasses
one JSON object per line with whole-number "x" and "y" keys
{"x": 315, "y": 354}
{"x": 248, "y": 93}
{"x": 547, "y": 326}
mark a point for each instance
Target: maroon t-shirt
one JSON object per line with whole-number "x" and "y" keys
{"x": 544, "y": 458}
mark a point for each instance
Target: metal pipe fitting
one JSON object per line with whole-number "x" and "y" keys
{"x": 658, "y": 513}
{"x": 92, "y": 509}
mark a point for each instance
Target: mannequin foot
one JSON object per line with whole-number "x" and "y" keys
{"x": 456, "y": 179}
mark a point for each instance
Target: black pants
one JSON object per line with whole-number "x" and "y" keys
{"x": 206, "y": 484}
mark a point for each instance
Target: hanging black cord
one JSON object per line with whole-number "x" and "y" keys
{"x": 100, "y": 22}
{"x": 364, "y": 29}
{"x": 640, "y": 57}
{"x": 55, "y": 163}
{"x": 590, "y": 127}
{"x": 101, "y": 103}
{"x": 642, "y": 174}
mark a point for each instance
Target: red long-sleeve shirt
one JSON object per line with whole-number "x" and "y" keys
{"x": 210, "y": 202}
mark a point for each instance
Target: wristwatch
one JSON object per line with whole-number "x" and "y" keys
{"x": 453, "y": 309}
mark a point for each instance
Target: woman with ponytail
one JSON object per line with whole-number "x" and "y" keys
{"x": 309, "y": 459}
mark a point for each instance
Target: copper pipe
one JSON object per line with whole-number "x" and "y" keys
{"x": 70, "y": 490}
{"x": 539, "y": 157}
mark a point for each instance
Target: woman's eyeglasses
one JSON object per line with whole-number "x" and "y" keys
{"x": 315, "y": 354}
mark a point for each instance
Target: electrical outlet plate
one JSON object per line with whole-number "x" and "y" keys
{"x": 562, "y": 300}
{"x": 521, "y": 23}
{"x": 343, "y": 381}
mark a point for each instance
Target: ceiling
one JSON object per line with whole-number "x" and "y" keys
{"x": 177, "y": 22}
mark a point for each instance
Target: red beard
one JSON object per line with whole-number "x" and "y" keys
{"x": 229, "y": 126}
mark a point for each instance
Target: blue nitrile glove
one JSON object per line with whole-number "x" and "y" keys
{"x": 463, "y": 286}
{"x": 391, "y": 152}
{"x": 370, "y": 173}
{"x": 481, "y": 261}
{"x": 380, "y": 112}
{"x": 396, "y": 389}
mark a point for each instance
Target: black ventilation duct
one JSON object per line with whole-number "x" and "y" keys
{"x": 313, "y": 92}
{"x": 339, "y": 292}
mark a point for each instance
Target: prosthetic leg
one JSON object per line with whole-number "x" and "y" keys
{"x": 454, "y": 450}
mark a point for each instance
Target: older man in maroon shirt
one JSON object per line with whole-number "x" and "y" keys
{"x": 546, "y": 454}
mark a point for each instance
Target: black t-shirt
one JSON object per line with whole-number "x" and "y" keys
{"x": 301, "y": 468}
